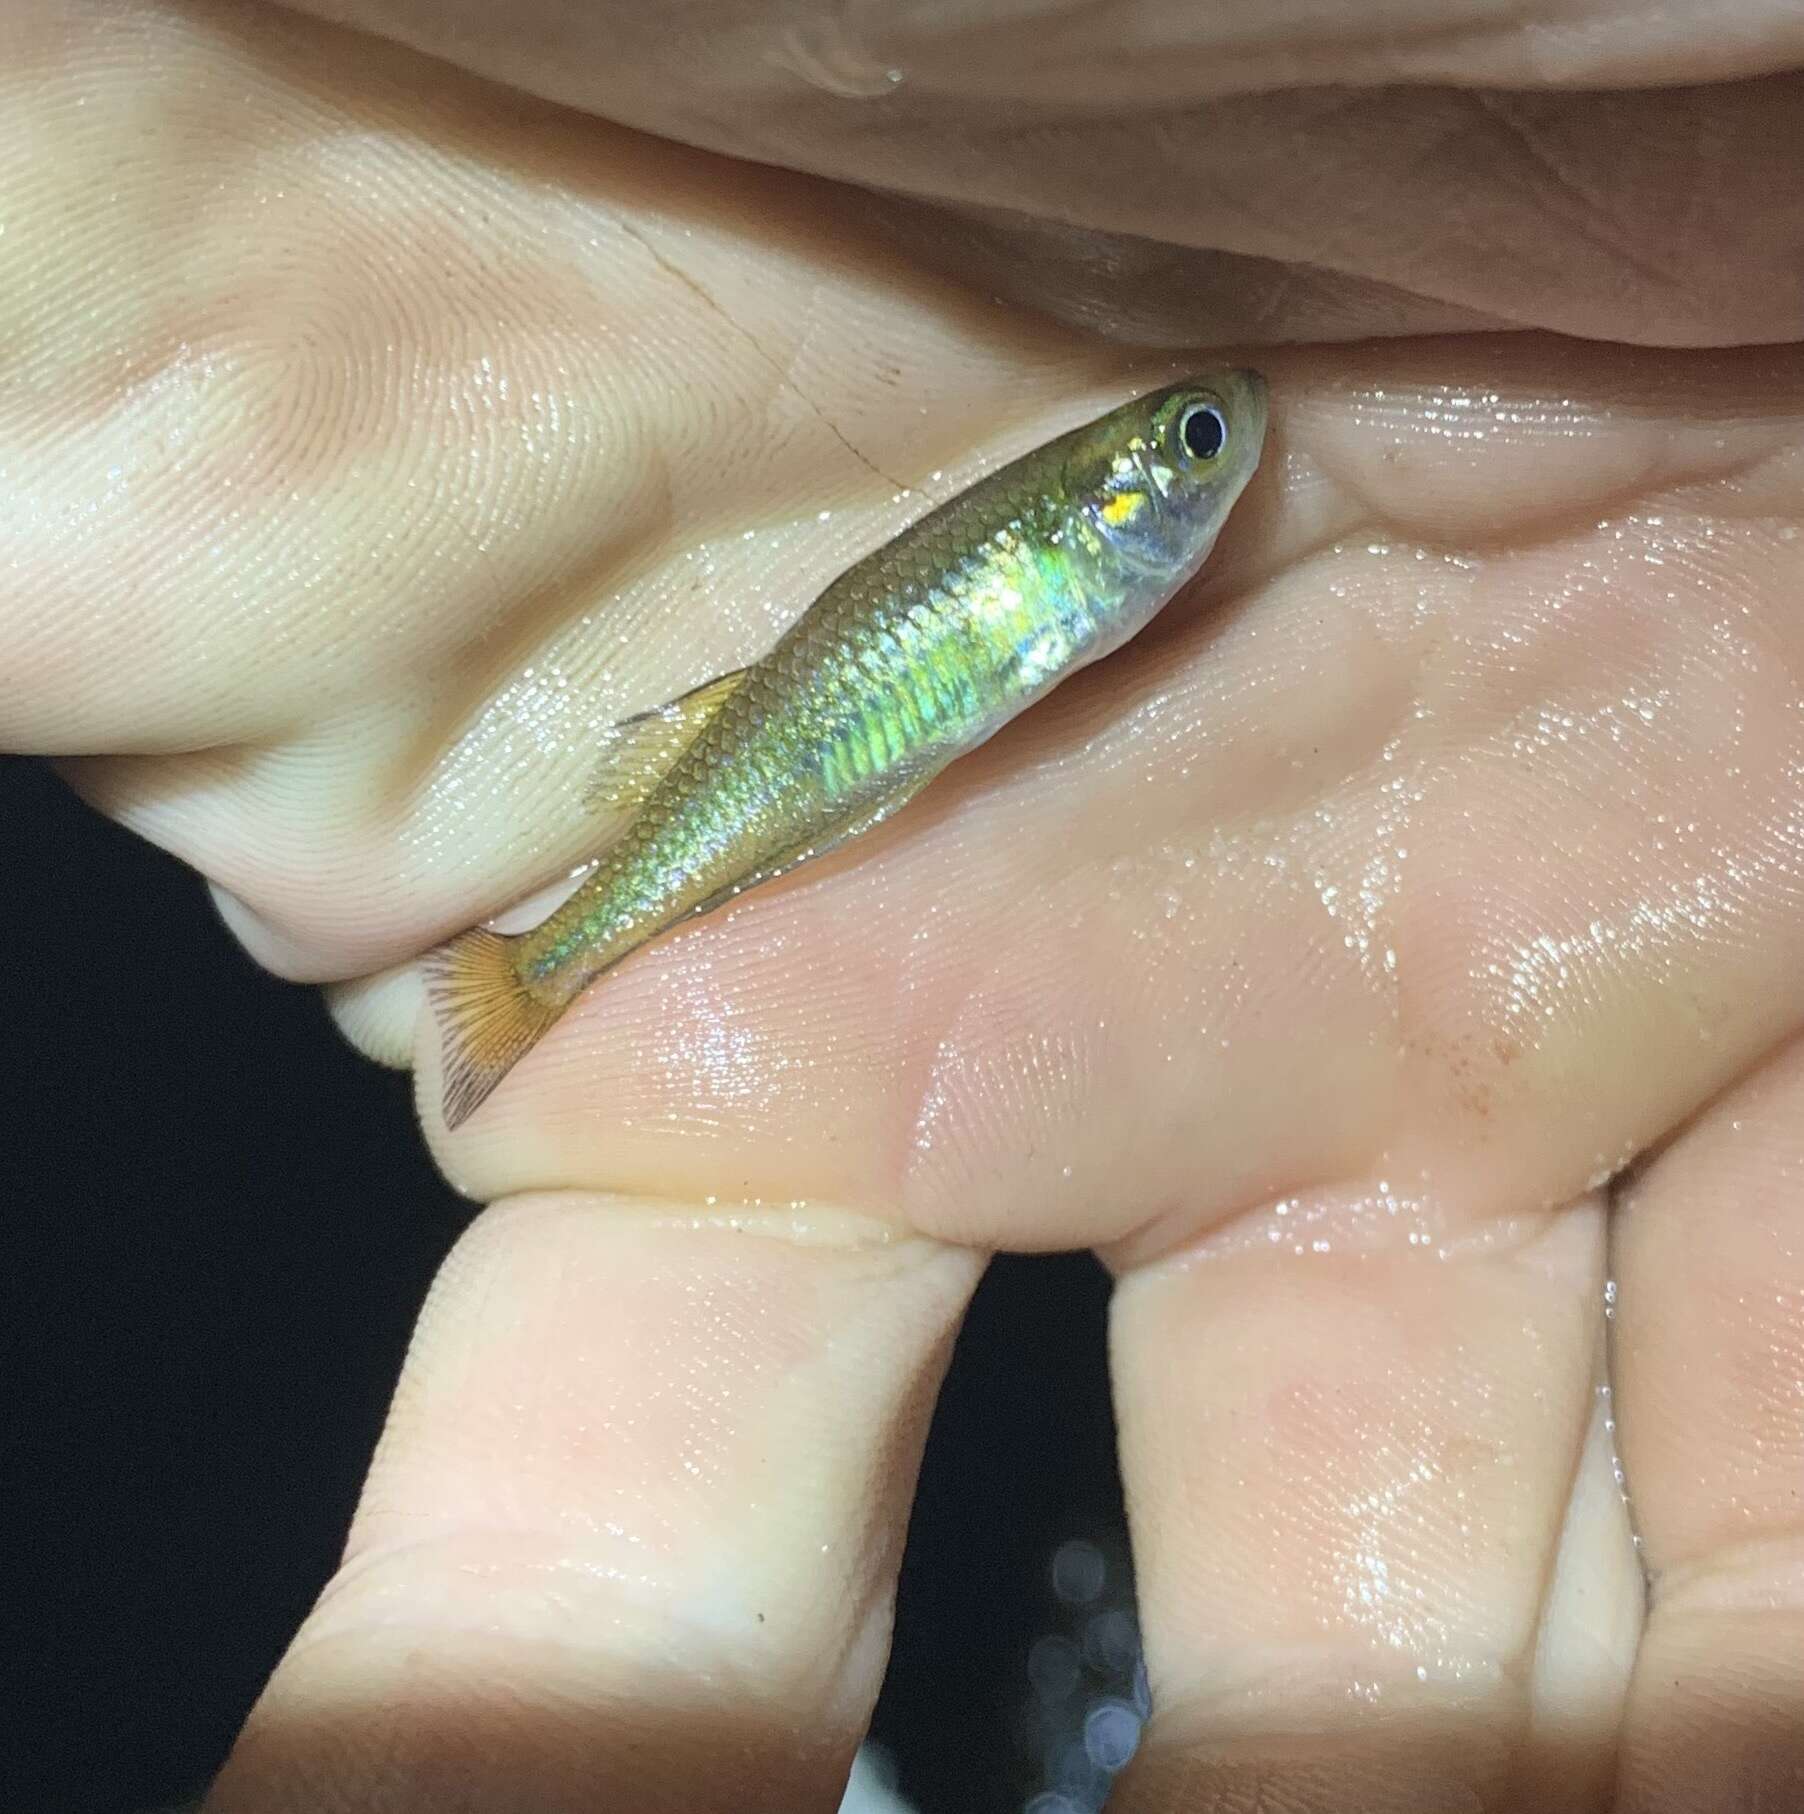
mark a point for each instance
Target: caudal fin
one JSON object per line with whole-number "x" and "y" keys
{"x": 487, "y": 1021}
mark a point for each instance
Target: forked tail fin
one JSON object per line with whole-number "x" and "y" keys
{"x": 487, "y": 1021}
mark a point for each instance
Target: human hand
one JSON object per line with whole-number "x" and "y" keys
{"x": 1320, "y": 959}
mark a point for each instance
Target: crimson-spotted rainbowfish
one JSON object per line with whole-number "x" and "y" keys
{"x": 910, "y": 658}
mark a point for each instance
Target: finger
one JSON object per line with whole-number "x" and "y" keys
{"x": 1145, "y": 52}
{"x": 1381, "y": 1558}
{"x": 1709, "y": 1340}
{"x": 630, "y": 1536}
{"x": 1342, "y": 172}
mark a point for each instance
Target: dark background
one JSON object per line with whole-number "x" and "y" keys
{"x": 220, "y": 1223}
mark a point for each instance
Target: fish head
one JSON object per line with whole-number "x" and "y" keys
{"x": 1154, "y": 480}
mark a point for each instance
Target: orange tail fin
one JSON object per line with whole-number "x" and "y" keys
{"x": 487, "y": 1021}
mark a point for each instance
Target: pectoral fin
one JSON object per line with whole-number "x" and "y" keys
{"x": 638, "y": 752}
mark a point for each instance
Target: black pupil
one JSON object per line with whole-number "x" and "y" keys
{"x": 1203, "y": 433}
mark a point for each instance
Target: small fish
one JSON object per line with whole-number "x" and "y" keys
{"x": 909, "y": 659}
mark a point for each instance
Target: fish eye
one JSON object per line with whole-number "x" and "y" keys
{"x": 1202, "y": 431}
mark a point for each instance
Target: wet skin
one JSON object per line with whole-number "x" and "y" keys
{"x": 1396, "y": 940}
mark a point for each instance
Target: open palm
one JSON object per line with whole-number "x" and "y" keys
{"x": 1400, "y": 939}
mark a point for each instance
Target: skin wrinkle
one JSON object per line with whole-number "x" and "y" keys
{"x": 436, "y": 1554}
{"x": 1589, "y": 214}
{"x": 1325, "y": 36}
{"x": 1172, "y": 294}
{"x": 1769, "y": 1564}
{"x": 784, "y": 374}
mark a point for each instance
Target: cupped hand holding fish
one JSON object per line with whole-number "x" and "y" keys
{"x": 1396, "y": 935}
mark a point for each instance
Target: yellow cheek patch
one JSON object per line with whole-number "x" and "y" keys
{"x": 1123, "y": 507}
